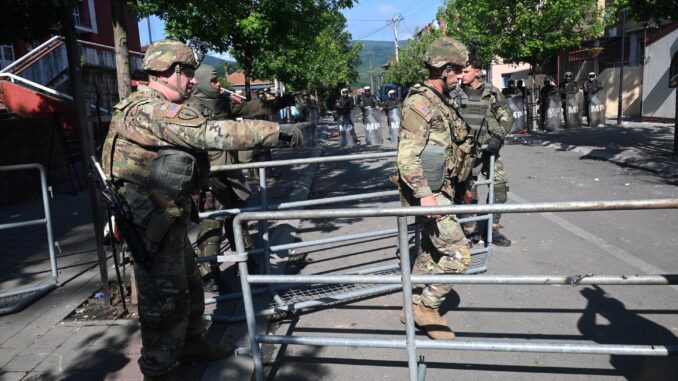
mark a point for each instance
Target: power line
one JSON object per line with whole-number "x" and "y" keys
{"x": 373, "y": 32}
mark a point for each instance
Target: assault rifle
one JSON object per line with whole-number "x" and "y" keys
{"x": 124, "y": 222}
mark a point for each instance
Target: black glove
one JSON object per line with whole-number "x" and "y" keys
{"x": 494, "y": 144}
{"x": 291, "y": 135}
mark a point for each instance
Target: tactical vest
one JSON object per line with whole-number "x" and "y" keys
{"x": 437, "y": 161}
{"x": 475, "y": 109}
{"x": 159, "y": 166}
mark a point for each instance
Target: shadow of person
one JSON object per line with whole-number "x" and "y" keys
{"x": 626, "y": 327}
{"x": 451, "y": 302}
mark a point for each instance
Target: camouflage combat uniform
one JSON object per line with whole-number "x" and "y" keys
{"x": 499, "y": 122}
{"x": 142, "y": 126}
{"x": 430, "y": 125}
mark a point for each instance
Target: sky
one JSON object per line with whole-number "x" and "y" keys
{"x": 367, "y": 20}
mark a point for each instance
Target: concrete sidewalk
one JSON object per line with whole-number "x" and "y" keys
{"x": 647, "y": 146}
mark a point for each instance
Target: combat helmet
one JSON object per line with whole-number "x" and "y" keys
{"x": 162, "y": 54}
{"x": 444, "y": 51}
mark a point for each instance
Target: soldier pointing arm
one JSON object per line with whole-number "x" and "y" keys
{"x": 150, "y": 156}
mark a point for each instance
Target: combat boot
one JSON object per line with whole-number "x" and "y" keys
{"x": 200, "y": 349}
{"x": 500, "y": 239}
{"x": 429, "y": 320}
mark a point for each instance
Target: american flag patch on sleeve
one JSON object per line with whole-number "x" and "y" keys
{"x": 172, "y": 110}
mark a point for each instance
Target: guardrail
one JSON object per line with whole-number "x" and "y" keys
{"x": 16, "y": 300}
{"x": 480, "y": 256}
{"x": 405, "y": 280}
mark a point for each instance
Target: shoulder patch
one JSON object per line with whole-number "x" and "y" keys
{"x": 423, "y": 110}
{"x": 186, "y": 113}
{"x": 172, "y": 110}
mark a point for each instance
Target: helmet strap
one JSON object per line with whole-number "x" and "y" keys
{"x": 178, "y": 87}
{"x": 444, "y": 76}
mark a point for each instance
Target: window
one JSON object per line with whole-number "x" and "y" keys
{"x": 6, "y": 55}
{"x": 84, "y": 16}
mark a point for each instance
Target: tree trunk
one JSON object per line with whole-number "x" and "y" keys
{"x": 121, "y": 49}
{"x": 86, "y": 141}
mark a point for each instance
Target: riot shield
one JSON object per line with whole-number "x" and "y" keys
{"x": 394, "y": 124}
{"x": 372, "y": 127}
{"x": 346, "y": 132}
{"x": 517, "y": 110}
{"x": 596, "y": 111}
{"x": 553, "y": 112}
{"x": 572, "y": 111}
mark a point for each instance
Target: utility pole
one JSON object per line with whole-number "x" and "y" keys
{"x": 395, "y": 21}
{"x": 148, "y": 24}
{"x": 621, "y": 68}
{"x": 371, "y": 72}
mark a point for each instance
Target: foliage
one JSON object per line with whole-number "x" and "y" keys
{"x": 266, "y": 37}
{"x": 647, "y": 11}
{"x": 326, "y": 62}
{"x": 529, "y": 31}
{"x": 410, "y": 68}
{"x": 32, "y": 19}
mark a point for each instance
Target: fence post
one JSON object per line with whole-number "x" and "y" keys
{"x": 407, "y": 297}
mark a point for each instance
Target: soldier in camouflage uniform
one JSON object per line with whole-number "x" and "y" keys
{"x": 226, "y": 189}
{"x": 426, "y": 161}
{"x": 484, "y": 109}
{"x": 149, "y": 156}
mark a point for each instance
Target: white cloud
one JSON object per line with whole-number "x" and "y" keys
{"x": 223, "y": 56}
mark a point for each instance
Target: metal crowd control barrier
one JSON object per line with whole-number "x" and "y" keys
{"x": 291, "y": 299}
{"x": 404, "y": 281}
{"x": 18, "y": 299}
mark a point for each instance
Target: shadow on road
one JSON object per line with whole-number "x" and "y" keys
{"x": 626, "y": 327}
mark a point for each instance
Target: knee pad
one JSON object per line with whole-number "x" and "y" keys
{"x": 500, "y": 193}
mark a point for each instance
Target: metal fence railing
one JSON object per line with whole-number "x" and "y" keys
{"x": 405, "y": 279}
{"x": 17, "y": 299}
{"x": 288, "y": 299}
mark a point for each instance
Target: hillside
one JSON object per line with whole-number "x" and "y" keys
{"x": 382, "y": 52}
{"x": 219, "y": 63}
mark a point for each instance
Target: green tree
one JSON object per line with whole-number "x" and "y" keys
{"x": 646, "y": 11}
{"x": 329, "y": 61}
{"x": 410, "y": 68}
{"x": 249, "y": 29}
{"x": 528, "y": 31}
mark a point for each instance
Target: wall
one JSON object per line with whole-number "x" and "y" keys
{"x": 104, "y": 35}
{"x": 631, "y": 95}
{"x": 659, "y": 101}
{"x": 519, "y": 71}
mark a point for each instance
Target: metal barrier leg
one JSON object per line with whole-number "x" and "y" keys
{"x": 248, "y": 301}
{"x": 11, "y": 301}
{"x": 407, "y": 297}
{"x": 264, "y": 265}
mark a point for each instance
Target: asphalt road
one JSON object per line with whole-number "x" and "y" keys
{"x": 616, "y": 242}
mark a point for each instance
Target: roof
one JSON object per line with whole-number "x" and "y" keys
{"x": 665, "y": 30}
{"x": 238, "y": 79}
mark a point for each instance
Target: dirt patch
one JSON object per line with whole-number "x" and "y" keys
{"x": 95, "y": 308}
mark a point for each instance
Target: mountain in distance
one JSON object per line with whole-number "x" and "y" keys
{"x": 219, "y": 63}
{"x": 382, "y": 52}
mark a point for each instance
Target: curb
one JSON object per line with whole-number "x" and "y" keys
{"x": 628, "y": 158}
